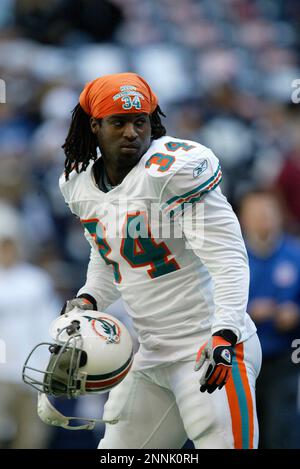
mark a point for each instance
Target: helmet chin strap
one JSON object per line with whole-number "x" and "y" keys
{"x": 51, "y": 416}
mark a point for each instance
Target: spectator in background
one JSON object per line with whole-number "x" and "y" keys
{"x": 274, "y": 301}
{"x": 288, "y": 181}
{"x": 28, "y": 304}
{"x": 60, "y": 21}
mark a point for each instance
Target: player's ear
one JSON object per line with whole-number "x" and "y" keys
{"x": 95, "y": 124}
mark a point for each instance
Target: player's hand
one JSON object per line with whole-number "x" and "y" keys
{"x": 217, "y": 352}
{"x": 84, "y": 302}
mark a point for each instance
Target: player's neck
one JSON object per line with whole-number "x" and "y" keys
{"x": 116, "y": 175}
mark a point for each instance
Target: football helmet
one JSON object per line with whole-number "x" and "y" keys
{"x": 92, "y": 352}
{"x": 51, "y": 416}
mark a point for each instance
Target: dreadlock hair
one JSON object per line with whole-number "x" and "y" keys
{"x": 158, "y": 130}
{"x": 81, "y": 144}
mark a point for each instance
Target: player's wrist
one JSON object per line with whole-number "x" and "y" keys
{"x": 85, "y": 301}
{"x": 89, "y": 298}
{"x": 228, "y": 335}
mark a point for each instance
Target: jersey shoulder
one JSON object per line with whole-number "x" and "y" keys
{"x": 187, "y": 171}
{"x": 167, "y": 155}
{"x": 76, "y": 188}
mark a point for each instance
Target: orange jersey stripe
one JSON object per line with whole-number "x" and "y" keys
{"x": 246, "y": 386}
{"x": 242, "y": 428}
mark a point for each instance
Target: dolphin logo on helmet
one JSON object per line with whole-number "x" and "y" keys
{"x": 108, "y": 329}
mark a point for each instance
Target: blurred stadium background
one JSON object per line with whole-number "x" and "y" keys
{"x": 223, "y": 72}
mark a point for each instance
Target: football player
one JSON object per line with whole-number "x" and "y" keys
{"x": 165, "y": 239}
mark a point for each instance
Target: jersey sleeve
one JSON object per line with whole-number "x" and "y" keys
{"x": 100, "y": 279}
{"x": 215, "y": 236}
{"x": 199, "y": 175}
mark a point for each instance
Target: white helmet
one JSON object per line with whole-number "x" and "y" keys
{"x": 92, "y": 352}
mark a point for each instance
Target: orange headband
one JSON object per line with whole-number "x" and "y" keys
{"x": 117, "y": 94}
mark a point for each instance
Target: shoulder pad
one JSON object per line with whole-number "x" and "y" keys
{"x": 167, "y": 155}
{"x": 74, "y": 189}
{"x": 67, "y": 186}
{"x": 200, "y": 174}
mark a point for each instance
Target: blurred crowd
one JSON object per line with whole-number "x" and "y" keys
{"x": 223, "y": 72}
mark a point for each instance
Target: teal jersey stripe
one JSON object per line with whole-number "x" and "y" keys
{"x": 242, "y": 403}
{"x": 193, "y": 191}
{"x": 197, "y": 198}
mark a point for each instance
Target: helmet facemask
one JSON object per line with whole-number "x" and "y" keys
{"x": 62, "y": 376}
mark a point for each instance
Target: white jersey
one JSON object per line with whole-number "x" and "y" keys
{"x": 168, "y": 242}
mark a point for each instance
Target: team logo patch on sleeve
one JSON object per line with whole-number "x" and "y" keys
{"x": 200, "y": 168}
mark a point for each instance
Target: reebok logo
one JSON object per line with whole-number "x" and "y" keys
{"x": 226, "y": 355}
{"x": 200, "y": 168}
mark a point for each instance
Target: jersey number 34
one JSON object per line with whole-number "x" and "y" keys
{"x": 138, "y": 247}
